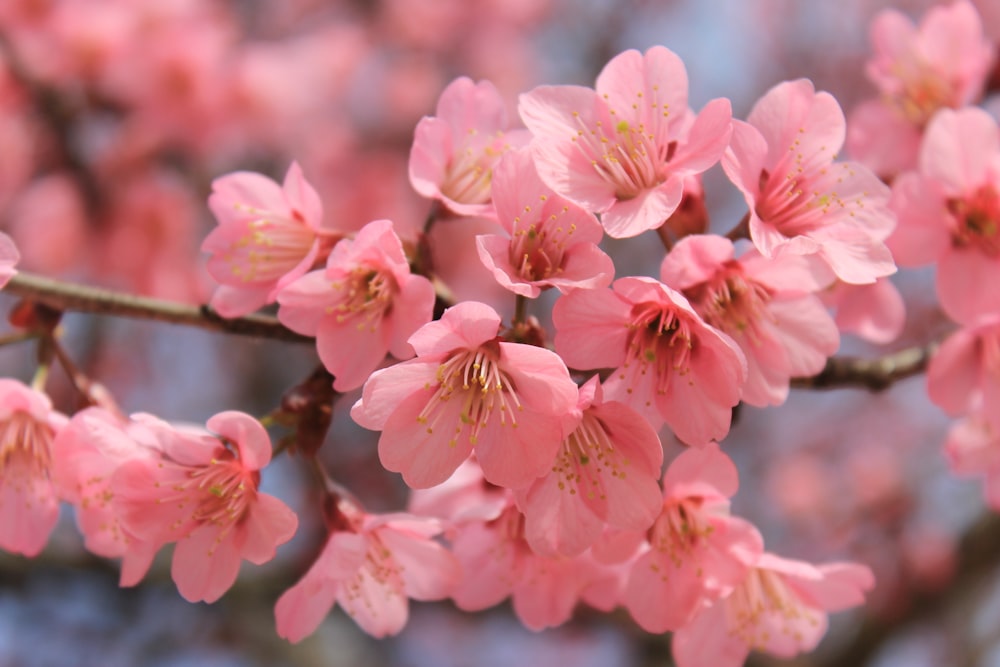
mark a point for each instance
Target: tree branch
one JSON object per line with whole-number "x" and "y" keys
{"x": 874, "y": 374}
{"x": 63, "y": 296}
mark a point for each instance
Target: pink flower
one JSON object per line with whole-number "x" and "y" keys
{"x": 371, "y": 566}
{"x": 29, "y": 505}
{"x": 973, "y": 449}
{"x": 874, "y": 312}
{"x": 764, "y": 305}
{"x": 606, "y": 473}
{"x": 268, "y": 235}
{"x": 949, "y": 212}
{"x": 8, "y": 259}
{"x": 454, "y": 153}
{"x": 918, "y": 70}
{"x": 201, "y": 492}
{"x": 85, "y": 455}
{"x": 364, "y": 304}
{"x": 780, "y": 608}
{"x": 964, "y": 374}
{"x": 624, "y": 149}
{"x": 671, "y": 366}
{"x": 552, "y": 242}
{"x": 696, "y": 551}
{"x": 801, "y": 201}
{"x": 468, "y": 389}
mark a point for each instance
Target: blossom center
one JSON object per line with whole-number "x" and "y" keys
{"x": 977, "y": 221}
{"x": 366, "y": 296}
{"x": 660, "y": 342}
{"x": 680, "y": 529}
{"x": 272, "y": 246}
{"x": 628, "y": 157}
{"x": 25, "y": 447}
{"x": 731, "y": 302}
{"x": 765, "y": 593}
{"x": 537, "y": 249}
{"x": 470, "y": 173}
{"x": 585, "y": 456}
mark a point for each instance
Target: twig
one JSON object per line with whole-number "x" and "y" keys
{"x": 874, "y": 374}
{"x": 64, "y": 296}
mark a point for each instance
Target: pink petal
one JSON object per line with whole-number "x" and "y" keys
{"x": 247, "y": 434}
{"x": 205, "y": 564}
{"x": 269, "y": 523}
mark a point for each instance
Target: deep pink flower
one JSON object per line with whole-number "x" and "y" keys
{"x": 364, "y": 304}
{"x": 8, "y": 259}
{"x": 466, "y": 390}
{"x": 29, "y": 504}
{"x": 671, "y": 366}
{"x": 943, "y": 63}
{"x": 801, "y": 201}
{"x": 85, "y": 455}
{"x": 696, "y": 551}
{"x": 964, "y": 374}
{"x": 624, "y": 149}
{"x": 201, "y": 492}
{"x": 552, "y": 242}
{"x": 766, "y": 306}
{"x": 371, "y": 566}
{"x": 454, "y": 153}
{"x": 268, "y": 235}
{"x": 949, "y": 212}
{"x": 606, "y": 473}
{"x": 779, "y": 608}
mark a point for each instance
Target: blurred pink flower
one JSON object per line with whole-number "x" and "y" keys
{"x": 200, "y": 491}
{"x": 364, "y": 304}
{"x": 801, "y": 201}
{"x": 9, "y": 258}
{"x": 875, "y": 312}
{"x": 552, "y": 242}
{"x": 624, "y": 149}
{"x": 964, "y": 374}
{"x": 973, "y": 449}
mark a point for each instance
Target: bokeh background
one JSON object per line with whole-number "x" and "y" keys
{"x": 115, "y": 115}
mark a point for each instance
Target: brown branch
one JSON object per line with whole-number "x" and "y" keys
{"x": 63, "y": 296}
{"x": 873, "y": 374}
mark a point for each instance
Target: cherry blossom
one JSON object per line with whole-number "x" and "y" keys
{"x": 973, "y": 449}
{"x": 268, "y": 235}
{"x": 29, "y": 500}
{"x": 468, "y": 389}
{"x": 964, "y": 374}
{"x": 624, "y": 149}
{"x": 801, "y": 201}
{"x": 670, "y": 365}
{"x": 552, "y": 242}
{"x": 364, "y": 304}
{"x": 8, "y": 259}
{"x": 200, "y": 491}
{"x": 454, "y": 153}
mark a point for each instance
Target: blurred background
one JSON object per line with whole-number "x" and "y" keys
{"x": 115, "y": 116}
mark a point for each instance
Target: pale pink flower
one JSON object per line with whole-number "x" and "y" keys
{"x": 364, "y": 304}
{"x": 766, "y": 306}
{"x": 9, "y": 258}
{"x": 875, "y": 312}
{"x": 918, "y": 70}
{"x": 465, "y": 496}
{"x": 201, "y": 491}
{"x": 624, "y": 149}
{"x": 779, "y": 608}
{"x": 468, "y": 389}
{"x": 86, "y": 453}
{"x": 696, "y": 551}
{"x": 801, "y": 201}
{"x": 949, "y": 212}
{"x": 29, "y": 500}
{"x": 973, "y": 449}
{"x": 671, "y": 366}
{"x": 964, "y": 374}
{"x": 268, "y": 235}
{"x": 552, "y": 242}
{"x": 371, "y": 565}
{"x": 605, "y": 474}
{"x": 454, "y": 153}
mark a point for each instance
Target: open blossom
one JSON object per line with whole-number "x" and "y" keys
{"x": 801, "y": 201}
{"x": 29, "y": 500}
{"x": 201, "y": 491}
{"x": 918, "y": 70}
{"x": 604, "y": 475}
{"x": 364, "y": 304}
{"x": 766, "y": 306}
{"x": 8, "y": 259}
{"x": 268, "y": 235}
{"x": 696, "y": 551}
{"x": 454, "y": 153}
{"x": 949, "y": 212}
{"x": 371, "y": 565}
{"x": 552, "y": 242}
{"x": 874, "y": 312}
{"x": 671, "y": 366}
{"x": 468, "y": 389}
{"x": 624, "y": 149}
{"x": 780, "y": 608}
{"x": 964, "y": 374}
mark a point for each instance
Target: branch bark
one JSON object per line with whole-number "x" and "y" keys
{"x": 874, "y": 374}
